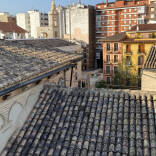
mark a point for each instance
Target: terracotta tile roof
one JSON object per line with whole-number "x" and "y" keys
{"x": 115, "y": 38}
{"x": 77, "y": 122}
{"x": 144, "y": 27}
{"x": 11, "y": 27}
{"x": 20, "y": 62}
{"x": 151, "y": 59}
{"x": 39, "y": 44}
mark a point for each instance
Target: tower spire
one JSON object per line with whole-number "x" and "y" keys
{"x": 53, "y": 6}
{"x": 79, "y": 1}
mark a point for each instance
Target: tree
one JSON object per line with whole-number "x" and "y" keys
{"x": 126, "y": 75}
{"x": 100, "y": 84}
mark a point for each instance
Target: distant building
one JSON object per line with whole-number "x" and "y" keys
{"x": 112, "y": 55}
{"x": 129, "y": 49}
{"x": 152, "y": 16}
{"x": 149, "y": 71}
{"x": 115, "y": 17}
{"x": 80, "y": 26}
{"x": 9, "y": 30}
{"x": 6, "y": 17}
{"x": 52, "y": 29}
{"x": 23, "y": 20}
{"x": 31, "y": 21}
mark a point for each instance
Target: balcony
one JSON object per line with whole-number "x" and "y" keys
{"x": 141, "y": 52}
{"x": 107, "y": 72}
{"x": 129, "y": 52}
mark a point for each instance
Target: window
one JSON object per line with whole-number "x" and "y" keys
{"x": 56, "y": 34}
{"x": 128, "y": 48}
{"x": 108, "y": 46}
{"x": 108, "y": 80}
{"x": 152, "y": 15}
{"x": 141, "y": 48}
{"x": 128, "y": 60}
{"x": 152, "y": 35}
{"x": 125, "y": 16}
{"x": 107, "y": 69}
{"x": 107, "y": 58}
{"x": 152, "y": 9}
{"x": 139, "y": 71}
{"x": 115, "y": 58}
{"x": 115, "y": 69}
{"x": 140, "y": 60}
{"x": 130, "y": 10}
{"x": 115, "y": 46}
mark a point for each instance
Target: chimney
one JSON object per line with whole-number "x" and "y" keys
{"x": 137, "y": 27}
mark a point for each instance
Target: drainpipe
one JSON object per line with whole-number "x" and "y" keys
{"x": 71, "y": 76}
{"x": 70, "y": 20}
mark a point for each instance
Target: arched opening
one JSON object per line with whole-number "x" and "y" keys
{"x": 1, "y": 122}
{"x": 15, "y": 111}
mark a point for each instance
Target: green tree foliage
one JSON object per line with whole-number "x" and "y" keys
{"x": 124, "y": 75}
{"x": 100, "y": 84}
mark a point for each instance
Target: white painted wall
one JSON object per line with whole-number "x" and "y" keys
{"x": 23, "y": 21}
{"x": 14, "y": 112}
{"x": 148, "y": 80}
{"x": 31, "y": 20}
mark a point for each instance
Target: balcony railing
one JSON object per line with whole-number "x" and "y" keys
{"x": 141, "y": 52}
{"x": 128, "y": 52}
{"x": 108, "y": 72}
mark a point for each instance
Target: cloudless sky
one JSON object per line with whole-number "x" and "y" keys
{"x": 17, "y": 6}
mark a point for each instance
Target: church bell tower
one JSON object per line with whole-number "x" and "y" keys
{"x": 54, "y": 20}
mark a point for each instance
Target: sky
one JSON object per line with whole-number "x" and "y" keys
{"x": 18, "y": 6}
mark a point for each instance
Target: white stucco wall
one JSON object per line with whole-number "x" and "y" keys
{"x": 79, "y": 23}
{"x": 149, "y": 80}
{"x": 14, "y": 112}
{"x": 23, "y": 20}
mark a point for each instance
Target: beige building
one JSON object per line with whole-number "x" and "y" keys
{"x": 23, "y": 20}
{"x": 31, "y": 21}
{"x": 52, "y": 30}
{"x": 149, "y": 71}
{"x": 6, "y": 17}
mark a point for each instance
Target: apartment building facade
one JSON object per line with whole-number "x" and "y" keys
{"x": 112, "y": 55}
{"x": 128, "y": 51}
{"x": 6, "y": 17}
{"x": 152, "y": 16}
{"x": 119, "y": 16}
{"x": 31, "y": 21}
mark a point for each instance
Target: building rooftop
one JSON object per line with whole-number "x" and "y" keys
{"x": 24, "y": 60}
{"x": 11, "y": 27}
{"x": 143, "y": 28}
{"x": 151, "y": 59}
{"x": 88, "y": 122}
{"x": 115, "y": 38}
